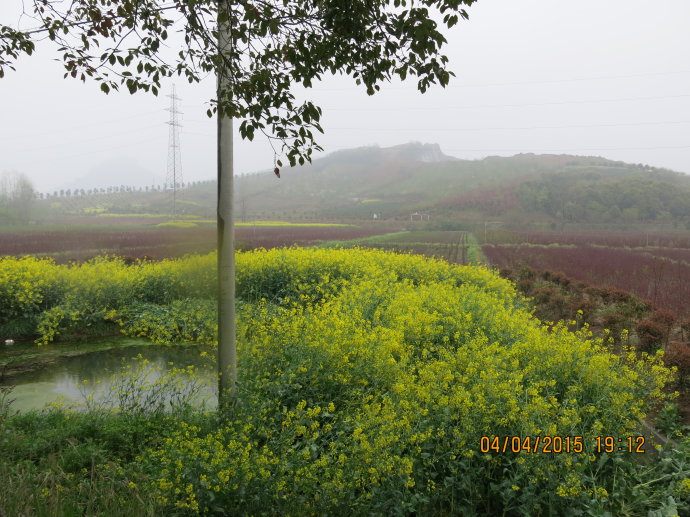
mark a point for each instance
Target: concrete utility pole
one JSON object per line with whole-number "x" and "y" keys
{"x": 227, "y": 346}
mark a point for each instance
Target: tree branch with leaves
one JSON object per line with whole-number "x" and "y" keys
{"x": 276, "y": 44}
{"x": 259, "y": 50}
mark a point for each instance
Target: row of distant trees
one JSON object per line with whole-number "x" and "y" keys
{"x": 117, "y": 189}
{"x": 17, "y": 195}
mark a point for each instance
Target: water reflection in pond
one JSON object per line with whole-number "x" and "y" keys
{"x": 72, "y": 379}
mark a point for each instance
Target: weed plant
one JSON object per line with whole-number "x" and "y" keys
{"x": 80, "y": 459}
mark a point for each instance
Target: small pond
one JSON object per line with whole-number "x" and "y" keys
{"x": 69, "y": 373}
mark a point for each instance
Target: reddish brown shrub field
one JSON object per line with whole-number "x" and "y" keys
{"x": 82, "y": 243}
{"x": 678, "y": 355}
{"x": 162, "y": 242}
{"x": 607, "y": 238}
{"x": 665, "y": 283}
{"x": 681, "y": 255}
{"x": 276, "y": 236}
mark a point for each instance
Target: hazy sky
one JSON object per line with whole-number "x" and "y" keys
{"x": 595, "y": 77}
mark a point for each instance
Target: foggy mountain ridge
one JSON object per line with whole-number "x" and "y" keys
{"x": 413, "y": 151}
{"x": 123, "y": 170}
{"x": 412, "y": 177}
{"x": 400, "y": 180}
{"x": 127, "y": 171}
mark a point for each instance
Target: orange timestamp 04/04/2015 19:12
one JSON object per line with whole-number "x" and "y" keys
{"x": 561, "y": 444}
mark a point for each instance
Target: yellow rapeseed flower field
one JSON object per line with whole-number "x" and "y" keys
{"x": 371, "y": 383}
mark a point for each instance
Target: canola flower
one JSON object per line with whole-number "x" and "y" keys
{"x": 367, "y": 380}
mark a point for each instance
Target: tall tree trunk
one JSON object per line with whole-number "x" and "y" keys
{"x": 227, "y": 346}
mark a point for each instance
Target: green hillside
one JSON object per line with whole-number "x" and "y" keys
{"x": 398, "y": 181}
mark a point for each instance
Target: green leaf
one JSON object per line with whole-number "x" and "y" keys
{"x": 105, "y": 88}
{"x": 273, "y": 27}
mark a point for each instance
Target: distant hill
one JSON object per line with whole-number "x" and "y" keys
{"x": 395, "y": 182}
{"x": 126, "y": 169}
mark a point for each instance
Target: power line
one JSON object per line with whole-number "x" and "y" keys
{"x": 89, "y": 142}
{"x": 523, "y": 150}
{"x": 112, "y": 148}
{"x": 575, "y": 149}
{"x": 514, "y": 105}
{"x": 100, "y": 123}
{"x": 573, "y": 79}
{"x": 515, "y": 128}
{"x": 454, "y": 82}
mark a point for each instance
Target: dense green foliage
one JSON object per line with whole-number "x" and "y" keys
{"x": 610, "y": 195}
{"x": 43, "y": 300}
{"x": 61, "y": 463}
{"x": 367, "y": 380}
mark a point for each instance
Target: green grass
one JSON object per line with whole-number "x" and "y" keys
{"x": 287, "y": 223}
{"x": 364, "y": 241}
{"x": 430, "y": 243}
{"x": 177, "y": 224}
{"x": 414, "y": 237}
{"x": 474, "y": 250}
{"x": 147, "y": 216}
{"x": 56, "y": 463}
{"x": 70, "y": 228}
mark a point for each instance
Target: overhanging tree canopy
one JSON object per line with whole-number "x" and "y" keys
{"x": 258, "y": 50}
{"x": 273, "y": 45}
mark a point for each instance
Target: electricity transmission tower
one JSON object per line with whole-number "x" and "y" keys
{"x": 173, "y": 179}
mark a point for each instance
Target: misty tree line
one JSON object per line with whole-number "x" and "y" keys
{"x": 17, "y": 195}
{"x": 118, "y": 189}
